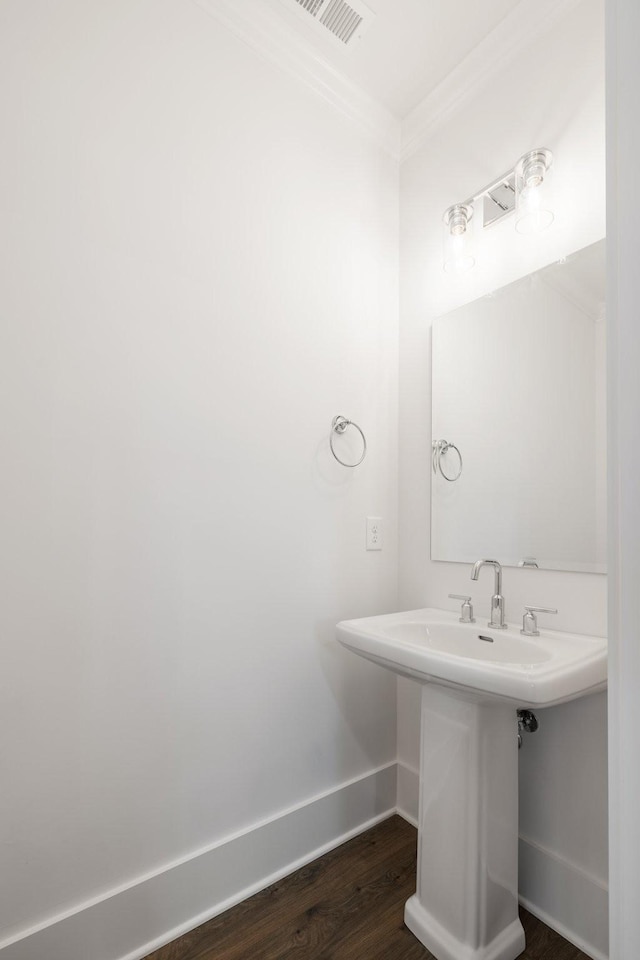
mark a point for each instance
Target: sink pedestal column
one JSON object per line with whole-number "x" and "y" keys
{"x": 466, "y": 903}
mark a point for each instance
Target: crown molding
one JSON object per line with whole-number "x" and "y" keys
{"x": 257, "y": 26}
{"x": 525, "y": 24}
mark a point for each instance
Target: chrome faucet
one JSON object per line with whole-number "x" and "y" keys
{"x": 497, "y": 600}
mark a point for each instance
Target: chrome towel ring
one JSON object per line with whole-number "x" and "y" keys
{"x": 441, "y": 447}
{"x": 338, "y": 425}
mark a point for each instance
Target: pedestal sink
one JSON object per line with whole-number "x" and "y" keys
{"x": 474, "y": 679}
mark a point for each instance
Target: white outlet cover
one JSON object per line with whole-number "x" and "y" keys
{"x": 374, "y": 533}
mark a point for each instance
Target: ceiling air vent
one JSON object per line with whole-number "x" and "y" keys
{"x": 311, "y": 6}
{"x": 341, "y": 19}
{"x": 345, "y": 21}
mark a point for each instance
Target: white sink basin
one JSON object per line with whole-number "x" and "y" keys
{"x": 434, "y": 647}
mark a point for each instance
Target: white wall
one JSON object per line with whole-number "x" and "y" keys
{"x": 623, "y": 194}
{"x": 199, "y": 272}
{"x": 552, "y": 96}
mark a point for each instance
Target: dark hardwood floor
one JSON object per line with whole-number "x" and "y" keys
{"x": 347, "y": 905}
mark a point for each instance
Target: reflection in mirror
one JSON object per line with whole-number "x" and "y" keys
{"x": 518, "y": 425}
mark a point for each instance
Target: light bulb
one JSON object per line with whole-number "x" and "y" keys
{"x": 533, "y": 207}
{"x": 457, "y": 239}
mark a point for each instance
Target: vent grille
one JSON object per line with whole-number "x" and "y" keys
{"x": 312, "y": 6}
{"x": 337, "y": 16}
{"x": 341, "y": 19}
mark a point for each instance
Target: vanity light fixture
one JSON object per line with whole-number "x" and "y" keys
{"x": 524, "y": 189}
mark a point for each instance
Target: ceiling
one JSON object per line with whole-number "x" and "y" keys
{"x": 409, "y": 66}
{"x": 407, "y": 48}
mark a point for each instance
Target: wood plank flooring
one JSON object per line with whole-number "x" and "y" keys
{"x": 347, "y": 905}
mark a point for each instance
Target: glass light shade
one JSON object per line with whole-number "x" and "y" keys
{"x": 457, "y": 239}
{"x": 534, "y": 209}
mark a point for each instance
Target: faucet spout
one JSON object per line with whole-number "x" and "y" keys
{"x": 497, "y": 600}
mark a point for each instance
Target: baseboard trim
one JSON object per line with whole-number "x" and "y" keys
{"x": 408, "y": 793}
{"x": 139, "y": 917}
{"x": 565, "y": 897}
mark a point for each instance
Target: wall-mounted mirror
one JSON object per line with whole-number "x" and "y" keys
{"x": 518, "y": 424}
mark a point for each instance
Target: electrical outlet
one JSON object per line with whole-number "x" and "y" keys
{"x": 374, "y": 533}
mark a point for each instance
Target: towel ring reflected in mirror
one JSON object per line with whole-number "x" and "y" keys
{"x": 440, "y": 448}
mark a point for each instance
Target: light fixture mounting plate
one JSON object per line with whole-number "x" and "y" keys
{"x": 499, "y": 201}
